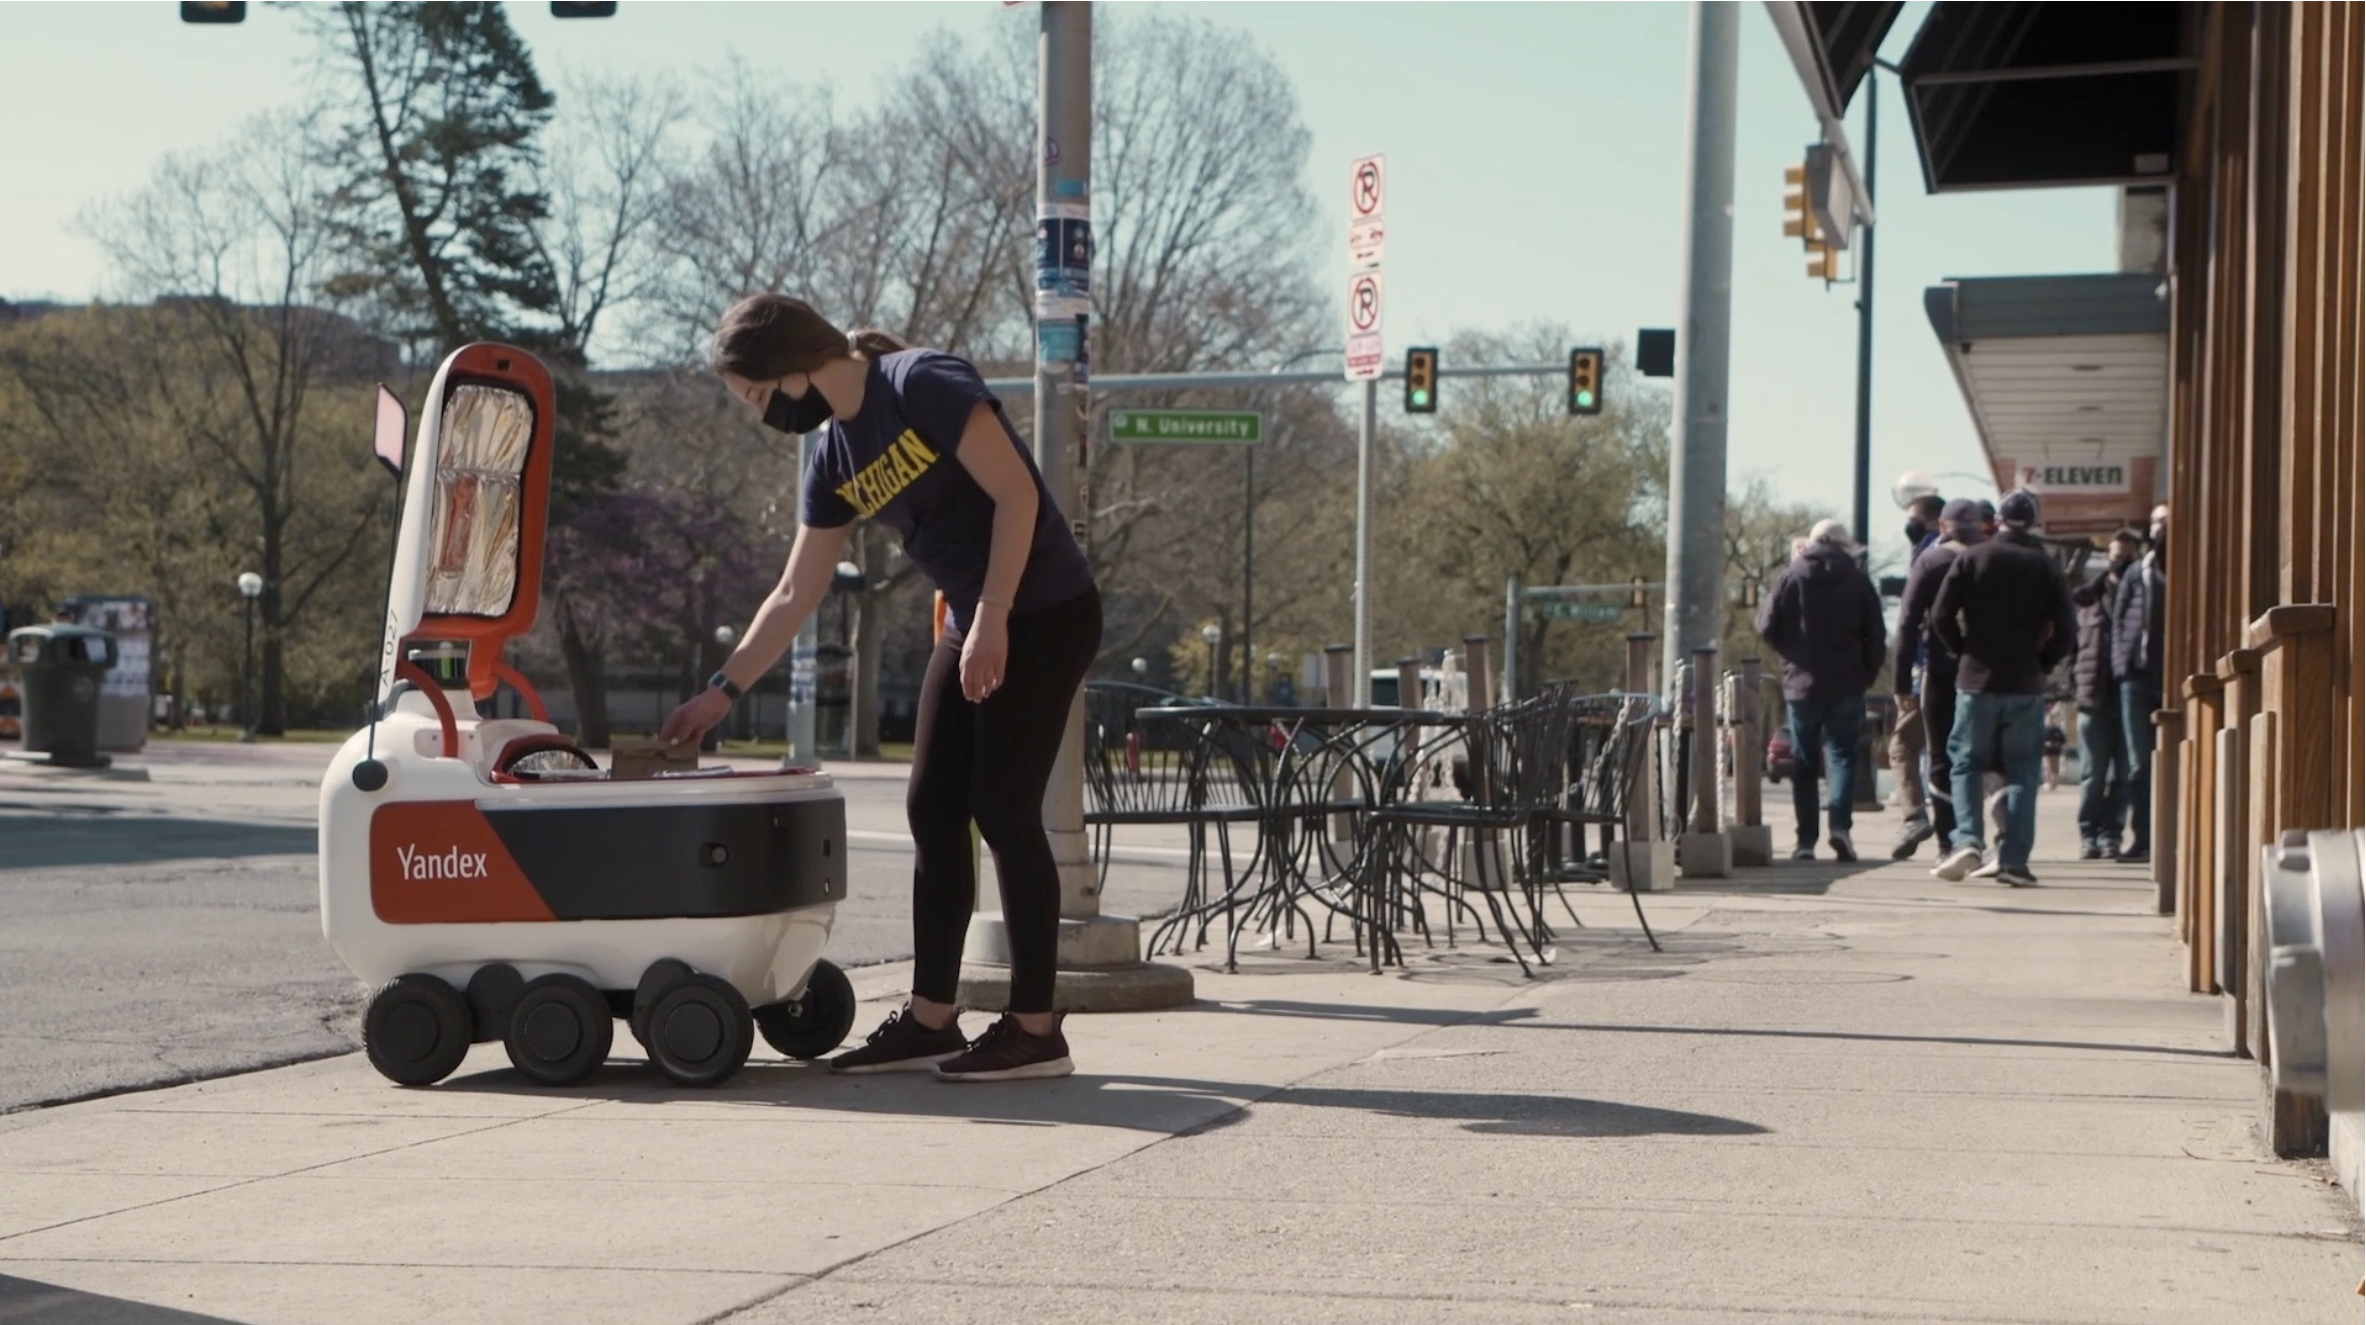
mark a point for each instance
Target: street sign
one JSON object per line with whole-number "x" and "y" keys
{"x": 1363, "y": 326}
{"x": 1565, "y": 611}
{"x": 1367, "y": 230}
{"x": 1187, "y": 426}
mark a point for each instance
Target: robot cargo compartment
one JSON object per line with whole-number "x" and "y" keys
{"x": 462, "y": 862}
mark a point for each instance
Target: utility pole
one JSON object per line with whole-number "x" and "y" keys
{"x": 1862, "y": 515}
{"x": 1696, "y": 483}
{"x": 1100, "y": 957}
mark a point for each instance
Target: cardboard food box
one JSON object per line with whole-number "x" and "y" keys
{"x": 646, "y": 757}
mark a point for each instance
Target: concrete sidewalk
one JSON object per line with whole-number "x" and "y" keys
{"x": 1842, "y": 1093}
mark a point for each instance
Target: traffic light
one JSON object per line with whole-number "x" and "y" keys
{"x": 1421, "y": 380}
{"x": 212, "y": 11}
{"x": 1585, "y": 381}
{"x": 1799, "y": 222}
{"x": 564, "y": 9}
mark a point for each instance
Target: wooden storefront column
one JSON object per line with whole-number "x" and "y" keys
{"x": 2198, "y": 817}
{"x": 2234, "y": 879}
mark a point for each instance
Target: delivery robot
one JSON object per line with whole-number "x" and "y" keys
{"x": 488, "y": 877}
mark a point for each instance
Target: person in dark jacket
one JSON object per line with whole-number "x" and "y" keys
{"x": 1906, "y": 734}
{"x": 1823, "y": 618}
{"x": 2102, "y": 744}
{"x": 2136, "y": 662}
{"x": 2005, "y": 612}
{"x": 1922, "y": 671}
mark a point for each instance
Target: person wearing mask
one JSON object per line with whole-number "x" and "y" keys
{"x": 2102, "y": 742}
{"x": 1927, "y": 691}
{"x": 2004, "y": 610}
{"x": 913, "y": 439}
{"x": 2136, "y": 662}
{"x": 1906, "y": 737}
{"x": 1823, "y": 618}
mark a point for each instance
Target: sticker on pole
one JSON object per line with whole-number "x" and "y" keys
{"x": 1367, "y": 231}
{"x": 1364, "y": 354}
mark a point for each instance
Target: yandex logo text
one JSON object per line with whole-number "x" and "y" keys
{"x": 451, "y": 863}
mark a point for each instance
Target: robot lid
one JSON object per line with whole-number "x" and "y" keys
{"x": 476, "y": 496}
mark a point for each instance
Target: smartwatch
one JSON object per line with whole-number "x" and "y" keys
{"x": 723, "y": 683}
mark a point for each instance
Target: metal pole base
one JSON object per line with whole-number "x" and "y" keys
{"x": 1101, "y": 968}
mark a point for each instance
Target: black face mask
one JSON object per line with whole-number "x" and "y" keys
{"x": 1916, "y": 531}
{"x": 786, "y": 413}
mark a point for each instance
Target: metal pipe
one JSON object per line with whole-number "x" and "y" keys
{"x": 1363, "y": 646}
{"x": 1106, "y": 383}
{"x": 1705, "y": 734}
{"x": 1512, "y": 598}
{"x": 1861, "y": 514}
{"x": 2042, "y": 72}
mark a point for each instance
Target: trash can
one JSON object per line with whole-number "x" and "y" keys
{"x": 62, "y": 668}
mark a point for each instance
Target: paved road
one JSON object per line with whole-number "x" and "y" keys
{"x": 167, "y": 929}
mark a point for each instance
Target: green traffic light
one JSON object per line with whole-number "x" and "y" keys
{"x": 1420, "y": 397}
{"x": 1585, "y": 400}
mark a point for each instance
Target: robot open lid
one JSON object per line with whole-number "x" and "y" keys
{"x": 486, "y": 874}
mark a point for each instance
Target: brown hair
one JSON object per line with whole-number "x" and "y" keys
{"x": 768, "y": 336}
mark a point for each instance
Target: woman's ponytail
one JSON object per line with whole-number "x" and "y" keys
{"x": 872, "y": 343}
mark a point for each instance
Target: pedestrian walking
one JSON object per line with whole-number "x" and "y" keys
{"x": 2136, "y": 663}
{"x": 2102, "y": 741}
{"x": 1823, "y": 618}
{"x": 2005, "y": 611}
{"x": 1907, "y": 745}
{"x": 913, "y": 439}
{"x": 1922, "y": 670}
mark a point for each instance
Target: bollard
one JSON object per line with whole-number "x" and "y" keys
{"x": 1409, "y": 684}
{"x": 1338, "y": 676}
{"x": 1704, "y": 852}
{"x": 1474, "y": 671}
{"x": 1753, "y": 841}
{"x": 1643, "y": 862}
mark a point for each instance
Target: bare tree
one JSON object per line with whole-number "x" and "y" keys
{"x": 232, "y": 248}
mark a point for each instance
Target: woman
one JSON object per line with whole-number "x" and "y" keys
{"x": 914, "y": 440}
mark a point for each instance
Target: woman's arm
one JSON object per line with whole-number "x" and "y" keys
{"x": 992, "y": 458}
{"x": 804, "y": 583}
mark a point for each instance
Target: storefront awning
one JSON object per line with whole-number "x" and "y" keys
{"x": 2012, "y": 95}
{"x": 2067, "y": 379}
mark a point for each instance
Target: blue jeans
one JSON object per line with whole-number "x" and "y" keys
{"x": 2103, "y": 764}
{"x": 1992, "y": 730}
{"x": 2138, "y": 698}
{"x": 1836, "y": 725}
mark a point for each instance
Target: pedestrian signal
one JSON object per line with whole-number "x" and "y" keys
{"x": 1585, "y": 381}
{"x": 1421, "y": 381}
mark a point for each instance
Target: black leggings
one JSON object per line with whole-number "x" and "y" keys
{"x": 989, "y": 762}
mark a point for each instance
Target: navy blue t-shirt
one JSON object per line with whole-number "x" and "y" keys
{"x": 894, "y": 462}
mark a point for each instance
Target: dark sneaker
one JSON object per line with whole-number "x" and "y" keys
{"x": 1842, "y": 848}
{"x": 902, "y": 1044}
{"x": 2090, "y": 850}
{"x": 2016, "y": 876}
{"x": 2134, "y": 856}
{"x": 1911, "y": 834}
{"x": 1006, "y": 1052}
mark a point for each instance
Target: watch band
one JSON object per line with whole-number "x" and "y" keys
{"x": 723, "y": 683}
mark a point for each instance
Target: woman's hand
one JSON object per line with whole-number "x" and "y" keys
{"x": 985, "y": 654}
{"x": 691, "y": 721}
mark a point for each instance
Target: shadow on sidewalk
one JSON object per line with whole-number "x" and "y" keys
{"x": 1167, "y": 1105}
{"x": 57, "y": 837}
{"x": 27, "y": 1302}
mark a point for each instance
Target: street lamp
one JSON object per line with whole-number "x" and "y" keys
{"x": 1273, "y": 676}
{"x": 250, "y": 587}
{"x": 1141, "y": 666}
{"x": 1214, "y": 635}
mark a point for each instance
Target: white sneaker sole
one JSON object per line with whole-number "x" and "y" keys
{"x": 1051, "y": 1067}
{"x": 1952, "y": 870}
{"x": 924, "y": 1063}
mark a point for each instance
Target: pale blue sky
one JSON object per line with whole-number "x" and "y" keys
{"x": 1535, "y": 163}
